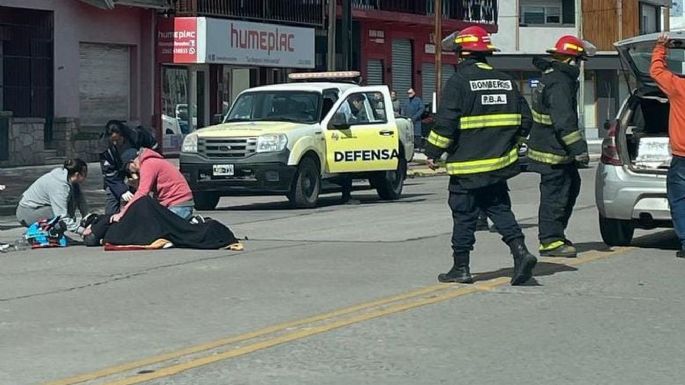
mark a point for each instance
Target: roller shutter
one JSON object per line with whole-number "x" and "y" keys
{"x": 402, "y": 67}
{"x": 374, "y": 72}
{"x": 104, "y": 83}
{"x": 428, "y": 78}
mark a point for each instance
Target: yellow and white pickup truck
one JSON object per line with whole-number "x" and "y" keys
{"x": 289, "y": 138}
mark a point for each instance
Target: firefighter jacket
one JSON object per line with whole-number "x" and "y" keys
{"x": 481, "y": 120}
{"x": 555, "y": 138}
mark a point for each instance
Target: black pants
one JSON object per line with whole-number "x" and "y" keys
{"x": 112, "y": 204}
{"x": 467, "y": 204}
{"x": 559, "y": 189}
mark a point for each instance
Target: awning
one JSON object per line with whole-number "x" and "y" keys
{"x": 110, "y": 4}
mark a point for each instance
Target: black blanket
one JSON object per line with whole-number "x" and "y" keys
{"x": 147, "y": 221}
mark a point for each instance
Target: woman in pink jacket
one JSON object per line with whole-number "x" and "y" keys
{"x": 162, "y": 178}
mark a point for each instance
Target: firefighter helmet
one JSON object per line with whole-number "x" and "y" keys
{"x": 569, "y": 45}
{"x": 474, "y": 39}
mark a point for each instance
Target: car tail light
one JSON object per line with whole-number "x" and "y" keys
{"x": 609, "y": 150}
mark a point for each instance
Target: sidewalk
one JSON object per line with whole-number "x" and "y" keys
{"x": 18, "y": 179}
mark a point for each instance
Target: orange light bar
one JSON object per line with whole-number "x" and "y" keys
{"x": 324, "y": 75}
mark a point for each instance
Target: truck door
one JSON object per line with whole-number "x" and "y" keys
{"x": 359, "y": 133}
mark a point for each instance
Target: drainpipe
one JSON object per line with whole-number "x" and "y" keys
{"x": 619, "y": 17}
{"x": 518, "y": 32}
{"x": 437, "y": 41}
{"x": 332, "y": 8}
{"x": 581, "y": 88}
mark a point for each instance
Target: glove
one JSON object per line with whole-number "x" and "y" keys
{"x": 582, "y": 160}
{"x": 127, "y": 196}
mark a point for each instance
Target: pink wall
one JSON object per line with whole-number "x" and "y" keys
{"x": 77, "y": 22}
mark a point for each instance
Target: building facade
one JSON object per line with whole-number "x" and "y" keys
{"x": 393, "y": 40}
{"x": 68, "y": 67}
{"x": 210, "y": 51}
{"x": 529, "y": 27}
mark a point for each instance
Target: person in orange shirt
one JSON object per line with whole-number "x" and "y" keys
{"x": 674, "y": 87}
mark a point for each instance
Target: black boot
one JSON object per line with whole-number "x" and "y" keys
{"x": 460, "y": 272}
{"x": 524, "y": 262}
{"x": 482, "y": 224}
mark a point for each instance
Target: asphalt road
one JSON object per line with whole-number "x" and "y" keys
{"x": 346, "y": 295}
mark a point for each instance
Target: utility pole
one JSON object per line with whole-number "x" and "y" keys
{"x": 346, "y": 34}
{"x": 332, "y": 10}
{"x": 437, "y": 41}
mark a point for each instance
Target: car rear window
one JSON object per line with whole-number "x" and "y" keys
{"x": 641, "y": 55}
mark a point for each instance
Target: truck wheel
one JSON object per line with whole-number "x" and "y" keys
{"x": 206, "y": 200}
{"x": 616, "y": 232}
{"x": 389, "y": 184}
{"x": 307, "y": 185}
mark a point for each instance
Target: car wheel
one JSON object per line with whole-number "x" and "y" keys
{"x": 389, "y": 184}
{"x": 616, "y": 232}
{"x": 205, "y": 200}
{"x": 307, "y": 185}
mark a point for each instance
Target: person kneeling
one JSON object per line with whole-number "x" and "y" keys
{"x": 158, "y": 175}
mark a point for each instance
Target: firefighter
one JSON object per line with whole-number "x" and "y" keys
{"x": 556, "y": 147}
{"x": 480, "y": 121}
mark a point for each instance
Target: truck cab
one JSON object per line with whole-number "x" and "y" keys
{"x": 289, "y": 138}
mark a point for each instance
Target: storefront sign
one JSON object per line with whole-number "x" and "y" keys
{"x": 220, "y": 41}
{"x": 177, "y": 40}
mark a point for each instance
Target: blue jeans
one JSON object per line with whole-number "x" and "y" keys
{"x": 675, "y": 186}
{"x": 184, "y": 212}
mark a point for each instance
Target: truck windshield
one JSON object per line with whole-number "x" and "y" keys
{"x": 285, "y": 106}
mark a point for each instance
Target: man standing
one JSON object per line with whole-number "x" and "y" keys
{"x": 480, "y": 120}
{"x": 556, "y": 147}
{"x": 674, "y": 87}
{"x": 413, "y": 109}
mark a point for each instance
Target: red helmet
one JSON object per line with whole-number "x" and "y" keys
{"x": 569, "y": 45}
{"x": 474, "y": 39}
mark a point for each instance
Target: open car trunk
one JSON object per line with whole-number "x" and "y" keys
{"x": 644, "y": 133}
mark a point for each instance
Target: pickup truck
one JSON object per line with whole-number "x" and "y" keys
{"x": 289, "y": 138}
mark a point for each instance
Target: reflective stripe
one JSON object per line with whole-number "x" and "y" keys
{"x": 483, "y": 65}
{"x": 572, "y": 138}
{"x": 548, "y": 158}
{"x": 573, "y": 47}
{"x": 552, "y": 246}
{"x": 494, "y": 120}
{"x": 542, "y": 118}
{"x": 484, "y": 165}
{"x": 467, "y": 39}
{"x": 439, "y": 140}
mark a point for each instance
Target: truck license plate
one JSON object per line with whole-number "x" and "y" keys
{"x": 223, "y": 170}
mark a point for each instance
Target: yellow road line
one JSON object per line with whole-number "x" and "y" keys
{"x": 243, "y": 337}
{"x": 293, "y": 336}
{"x": 329, "y": 321}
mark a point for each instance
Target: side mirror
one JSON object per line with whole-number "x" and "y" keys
{"x": 338, "y": 122}
{"x": 217, "y": 119}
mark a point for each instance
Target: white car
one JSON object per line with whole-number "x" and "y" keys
{"x": 630, "y": 188}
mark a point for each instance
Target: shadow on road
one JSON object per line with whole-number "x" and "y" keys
{"x": 662, "y": 240}
{"x": 541, "y": 269}
{"x": 583, "y": 247}
{"x": 326, "y": 201}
